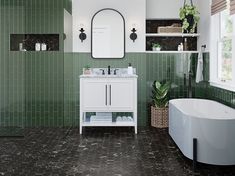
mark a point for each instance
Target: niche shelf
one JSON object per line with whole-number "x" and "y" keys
{"x": 171, "y": 35}
{"x": 168, "y": 41}
{"x": 28, "y": 41}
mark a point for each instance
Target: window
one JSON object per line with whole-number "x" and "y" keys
{"x": 225, "y": 47}
{"x": 223, "y": 51}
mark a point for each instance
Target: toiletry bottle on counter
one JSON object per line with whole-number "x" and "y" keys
{"x": 130, "y": 69}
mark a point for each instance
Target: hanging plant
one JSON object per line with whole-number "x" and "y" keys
{"x": 189, "y": 16}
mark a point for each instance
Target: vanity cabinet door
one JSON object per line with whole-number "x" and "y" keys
{"x": 94, "y": 94}
{"x": 121, "y": 94}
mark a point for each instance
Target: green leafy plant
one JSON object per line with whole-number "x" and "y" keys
{"x": 160, "y": 94}
{"x": 156, "y": 45}
{"x": 87, "y": 67}
{"x": 190, "y": 17}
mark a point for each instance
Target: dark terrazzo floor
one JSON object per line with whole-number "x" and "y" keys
{"x": 99, "y": 152}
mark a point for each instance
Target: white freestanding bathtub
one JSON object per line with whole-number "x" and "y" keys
{"x": 210, "y": 122}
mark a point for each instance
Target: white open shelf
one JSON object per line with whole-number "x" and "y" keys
{"x": 181, "y": 52}
{"x": 172, "y": 35}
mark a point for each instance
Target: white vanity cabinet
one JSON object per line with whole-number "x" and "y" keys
{"x": 108, "y": 94}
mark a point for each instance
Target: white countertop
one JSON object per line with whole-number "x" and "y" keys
{"x": 109, "y": 76}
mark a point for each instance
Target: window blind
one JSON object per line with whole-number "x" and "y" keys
{"x": 232, "y": 7}
{"x": 218, "y": 6}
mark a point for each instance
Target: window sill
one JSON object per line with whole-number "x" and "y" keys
{"x": 221, "y": 85}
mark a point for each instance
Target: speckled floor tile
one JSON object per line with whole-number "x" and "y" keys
{"x": 99, "y": 152}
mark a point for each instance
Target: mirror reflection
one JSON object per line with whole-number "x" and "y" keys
{"x": 108, "y": 34}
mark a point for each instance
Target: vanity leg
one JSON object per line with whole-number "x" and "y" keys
{"x": 135, "y": 120}
{"x": 81, "y": 119}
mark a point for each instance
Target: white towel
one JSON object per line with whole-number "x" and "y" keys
{"x": 199, "y": 75}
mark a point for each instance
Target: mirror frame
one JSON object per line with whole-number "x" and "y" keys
{"x": 124, "y": 26}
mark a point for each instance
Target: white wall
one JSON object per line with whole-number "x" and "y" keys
{"x": 164, "y": 8}
{"x": 168, "y": 9}
{"x": 134, "y": 11}
{"x": 204, "y": 25}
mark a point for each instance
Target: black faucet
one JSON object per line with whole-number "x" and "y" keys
{"x": 109, "y": 71}
{"x": 115, "y": 71}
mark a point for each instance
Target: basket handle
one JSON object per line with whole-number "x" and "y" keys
{"x": 191, "y": 1}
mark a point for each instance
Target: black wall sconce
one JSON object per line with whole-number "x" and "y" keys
{"x": 82, "y": 35}
{"x": 133, "y": 35}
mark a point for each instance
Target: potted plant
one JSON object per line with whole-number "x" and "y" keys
{"x": 156, "y": 47}
{"x": 159, "y": 109}
{"x": 190, "y": 17}
{"x": 87, "y": 70}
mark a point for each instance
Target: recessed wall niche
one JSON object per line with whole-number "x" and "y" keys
{"x": 34, "y": 42}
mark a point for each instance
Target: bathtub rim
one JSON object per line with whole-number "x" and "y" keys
{"x": 194, "y": 116}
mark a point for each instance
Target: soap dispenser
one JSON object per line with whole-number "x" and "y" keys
{"x": 130, "y": 69}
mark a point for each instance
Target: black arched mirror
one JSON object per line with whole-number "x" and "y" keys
{"x": 108, "y": 34}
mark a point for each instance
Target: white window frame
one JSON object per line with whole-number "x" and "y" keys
{"x": 215, "y": 43}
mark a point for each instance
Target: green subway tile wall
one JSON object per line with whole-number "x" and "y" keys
{"x": 204, "y": 90}
{"x": 12, "y": 66}
{"x": 31, "y": 84}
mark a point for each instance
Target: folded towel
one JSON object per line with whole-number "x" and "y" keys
{"x": 199, "y": 75}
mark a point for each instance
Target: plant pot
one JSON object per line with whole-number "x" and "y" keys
{"x": 159, "y": 117}
{"x": 87, "y": 72}
{"x": 191, "y": 22}
{"x": 158, "y": 49}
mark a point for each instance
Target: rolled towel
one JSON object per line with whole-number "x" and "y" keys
{"x": 199, "y": 75}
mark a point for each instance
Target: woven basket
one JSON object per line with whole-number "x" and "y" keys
{"x": 169, "y": 29}
{"x": 159, "y": 117}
